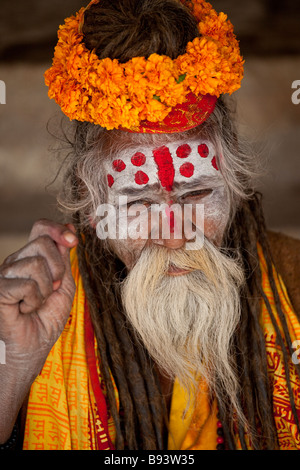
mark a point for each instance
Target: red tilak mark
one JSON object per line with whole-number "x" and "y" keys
{"x": 170, "y": 215}
{"x": 187, "y": 170}
{"x": 172, "y": 222}
{"x": 183, "y": 151}
{"x": 138, "y": 159}
{"x": 214, "y": 163}
{"x": 166, "y": 171}
{"x": 141, "y": 178}
{"x": 119, "y": 165}
{"x": 110, "y": 180}
{"x": 203, "y": 150}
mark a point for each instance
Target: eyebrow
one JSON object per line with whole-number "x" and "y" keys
{"x": 130, "y": 191}
{"x": 203, "y": 181}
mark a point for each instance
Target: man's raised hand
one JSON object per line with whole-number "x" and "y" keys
{"x": 36, "y": 294}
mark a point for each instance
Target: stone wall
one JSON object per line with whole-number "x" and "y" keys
{"x": 270, "y": 36}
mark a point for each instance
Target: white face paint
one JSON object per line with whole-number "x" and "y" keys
{"x": 175, "y": 162}
{"x": 184, "y": 172}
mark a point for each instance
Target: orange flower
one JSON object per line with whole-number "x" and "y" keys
{"x": 110, "y": 77}
{"x": 113, "y": 95}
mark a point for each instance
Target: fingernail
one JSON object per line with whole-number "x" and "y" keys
{"x": 69, "y": 237}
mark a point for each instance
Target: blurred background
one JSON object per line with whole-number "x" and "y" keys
{"x": 269, "y": 33}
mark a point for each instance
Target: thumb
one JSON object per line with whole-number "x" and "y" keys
{"x": 65, "y": 254}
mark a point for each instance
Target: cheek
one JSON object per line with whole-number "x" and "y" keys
{"x": 214, "y": 231}
{"x": 127, "y": 250}
{"x": 216, "y": 217}
{"x": 213, "y": 226}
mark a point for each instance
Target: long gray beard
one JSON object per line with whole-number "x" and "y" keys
{"x": 187, "y": 322}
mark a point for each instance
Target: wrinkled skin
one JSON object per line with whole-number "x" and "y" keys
{"x": 36, "y": 294}
{"x": 206, "y": 186}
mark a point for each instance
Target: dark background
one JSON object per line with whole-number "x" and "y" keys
{"x": 269, "y": 34}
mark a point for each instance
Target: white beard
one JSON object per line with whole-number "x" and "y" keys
{"x": 187, "y": 322}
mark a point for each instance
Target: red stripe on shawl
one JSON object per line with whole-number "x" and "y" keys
{"x": 103, "y": 443}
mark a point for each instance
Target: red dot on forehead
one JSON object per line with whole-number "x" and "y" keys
{"x": 183, "y": 151}
{"x": 141, "y": 178}
{"x": 138, "y": 159}
{"x": 203, "y": 150}
{"x": 214, "y": 164}
{"x": 119, "y": 165}
{"x": 110, "y": 180}
{"x": 187, "y": 170}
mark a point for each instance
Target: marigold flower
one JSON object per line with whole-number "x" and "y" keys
{"x": 113, "y": 95}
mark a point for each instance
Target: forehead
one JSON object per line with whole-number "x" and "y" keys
{"x": 170, "y": 164}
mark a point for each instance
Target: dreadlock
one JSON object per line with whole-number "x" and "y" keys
{"x": 140, "y": 422}
{"x": 143, "y": 410}
{"x": 247, "y": 230}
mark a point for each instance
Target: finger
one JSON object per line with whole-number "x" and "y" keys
{"x": 35, "y": 268}
{"x": 61, "y": 234}
{"x": 67, "y": 279}
{"x": 71, "y": 228}
{"x": 23, "y": 294}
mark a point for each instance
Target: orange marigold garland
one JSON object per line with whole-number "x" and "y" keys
{"x": 114, "y": 95}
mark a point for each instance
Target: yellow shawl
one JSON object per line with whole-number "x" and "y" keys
{"x": 65, "y": 399}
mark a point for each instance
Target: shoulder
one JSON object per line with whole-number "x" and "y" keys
{"x": 286, "y": 257}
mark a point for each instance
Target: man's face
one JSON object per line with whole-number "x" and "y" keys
{"x": 183, "y": 305}
{"x": 183, "y": 173}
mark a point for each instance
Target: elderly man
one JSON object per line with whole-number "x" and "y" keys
{"x": 172, "y": 323}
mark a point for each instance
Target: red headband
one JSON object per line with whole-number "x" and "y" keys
{"x": 183, "y": 117}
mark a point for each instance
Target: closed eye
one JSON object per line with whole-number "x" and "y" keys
{"x": 143, "y": 202}
{"x": 197, "y": 194}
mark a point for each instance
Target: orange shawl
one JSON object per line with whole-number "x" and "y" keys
{"x": 67, "y": 405}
